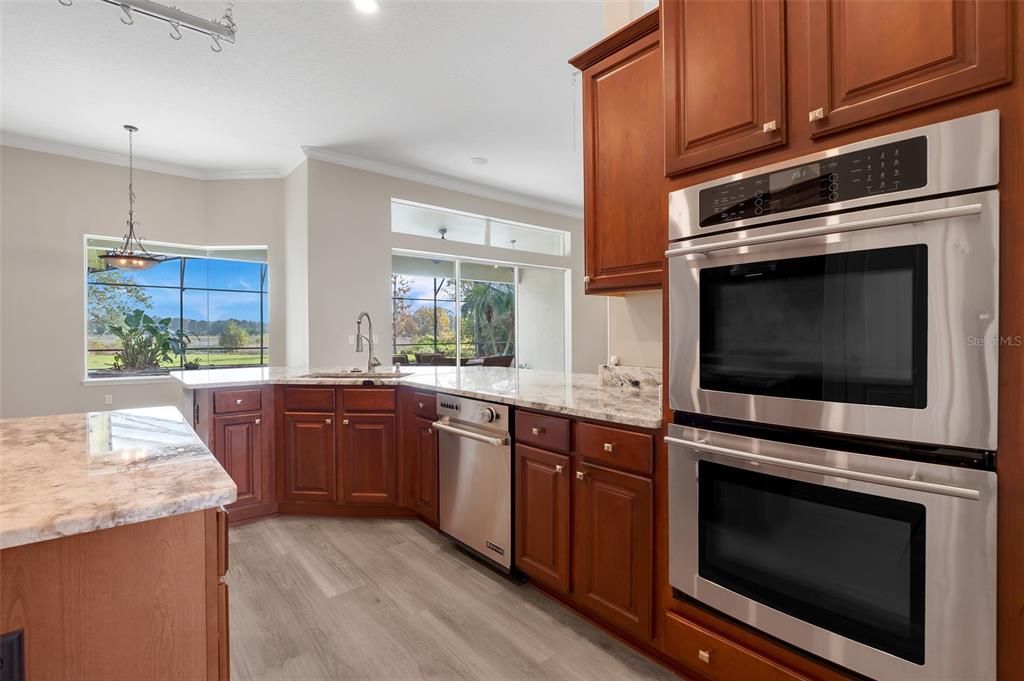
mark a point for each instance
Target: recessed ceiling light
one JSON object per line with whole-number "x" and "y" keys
{"x": 367, "y": 6}
{"x": 478, "y": 161}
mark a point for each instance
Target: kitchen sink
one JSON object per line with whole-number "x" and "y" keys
{"x": 356, "y": 374}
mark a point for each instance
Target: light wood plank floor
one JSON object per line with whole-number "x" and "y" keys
{"x": 389, "y": 600}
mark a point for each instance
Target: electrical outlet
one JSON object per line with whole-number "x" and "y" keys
{"x": 108, "y": 399}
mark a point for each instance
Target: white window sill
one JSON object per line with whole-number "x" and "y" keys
{"x": 126, "y": 380}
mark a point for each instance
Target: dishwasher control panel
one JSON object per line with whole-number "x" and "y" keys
{"x": 488, "y": 415}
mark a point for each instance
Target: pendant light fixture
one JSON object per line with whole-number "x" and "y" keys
{"x": 132, "y": 255}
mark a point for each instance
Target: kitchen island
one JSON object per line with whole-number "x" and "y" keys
{"x": 112, "y": 547}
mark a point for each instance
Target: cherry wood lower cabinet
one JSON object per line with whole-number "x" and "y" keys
{"x": 238, "y": 446}
{"x": 368, "y": 459}
{"x": 424, "y": 470}
{"x": 613, "y": 546}
{"x": 542, "y": 515}
{"x": 308, "y": 450}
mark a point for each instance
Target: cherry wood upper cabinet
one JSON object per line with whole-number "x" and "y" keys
{"x": 725, "y": 92}
{"x": 870, "y": 60}
{"x": 238, "y": 445}
{"x": 309, "y": 458}
{"x": 625, "y": 209}
{"x": 368, "y": 459}
{"x": 542, "y": 516}
{"x": 424, "y": 463}
{"x": 613, "y": 546}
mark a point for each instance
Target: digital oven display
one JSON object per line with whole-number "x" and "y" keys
{"x": 794, "y": 187}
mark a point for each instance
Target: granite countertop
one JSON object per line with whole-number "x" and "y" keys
{"x": 77, "y": 473}
{"x": 572, "y": 394}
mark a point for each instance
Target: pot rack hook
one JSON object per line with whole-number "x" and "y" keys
{"x": 175, "y": 30}
{"x": 127, "y": 19}
{"x": 66, "y": 3}
{"x": 216, "y": 43}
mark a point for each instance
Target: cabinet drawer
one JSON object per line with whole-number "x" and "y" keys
{"x": 716, "y": 658}
{"x": 368, "y": 399}
{"x": 309, "y": 399}
{"x": 233, "y": 401}
{"x": 546, "y": 432}
{"x": 617, "y": 447}
{"x": 425, "y": 405}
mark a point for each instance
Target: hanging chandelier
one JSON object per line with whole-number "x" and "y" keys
{"x": 132, "y": 255}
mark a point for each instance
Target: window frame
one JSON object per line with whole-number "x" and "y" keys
{"x": 198, "y": 253}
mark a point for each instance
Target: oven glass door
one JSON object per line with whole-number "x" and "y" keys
{"x": 844, "y": 327}
{"x": 848, "y": 562}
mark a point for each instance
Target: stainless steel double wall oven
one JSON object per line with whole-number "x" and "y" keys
{"x": 834, "y": 379}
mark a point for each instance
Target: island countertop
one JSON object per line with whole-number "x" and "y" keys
{"x": 580, "y": 395}
{"x": 77, "y": 473}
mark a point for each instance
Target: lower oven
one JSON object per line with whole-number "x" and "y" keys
{"x": 883, "y": 566}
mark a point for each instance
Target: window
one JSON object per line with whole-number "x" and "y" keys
{"x": 451, "y": 225}
{"x": 501, "y": 314}
{"x": 215, "y": 299}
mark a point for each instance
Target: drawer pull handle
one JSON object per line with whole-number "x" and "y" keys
{"x": 536, "y": 431}
{"x": 770, "y": 126}
{"x": 558, "y": 469}
{"x": 257, "y": 422}
{"x": 430, "y": 431}
{"x": 344, "y": 422}
{"x": 420, "y": 405}
{"x": 238, "y": 401}
{"x": 704, "y": 656}
{"x": 579, "y": 475}
{"x": 609, "y": 447}
{"x": 815, "y": 115}
{"x": 327, "y": 420}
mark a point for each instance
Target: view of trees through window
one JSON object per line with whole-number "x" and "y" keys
{"x": 185, "y": 312}
{"x": 425, "y": 309}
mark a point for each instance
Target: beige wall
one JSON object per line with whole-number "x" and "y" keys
{"x": 296, "y": 279}
{"x": 350, "y": 233}
{"x": 49, "y": 203}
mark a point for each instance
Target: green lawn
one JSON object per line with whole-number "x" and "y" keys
{"x": 98, "y": 360}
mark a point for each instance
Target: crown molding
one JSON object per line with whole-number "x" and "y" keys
{"x": 442, "y": 181}
{"x": 89, "y": 154}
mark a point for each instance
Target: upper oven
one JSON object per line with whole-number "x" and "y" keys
{"x": 836, "y": 304}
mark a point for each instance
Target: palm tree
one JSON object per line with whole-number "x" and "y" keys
{"x": 493, "y": 305}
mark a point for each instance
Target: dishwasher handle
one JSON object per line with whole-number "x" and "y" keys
{"x": 486, "y": 439}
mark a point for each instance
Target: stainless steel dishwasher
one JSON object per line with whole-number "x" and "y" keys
{"x": 475, "y": 477}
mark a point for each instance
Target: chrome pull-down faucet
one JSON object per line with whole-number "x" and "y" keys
{"x": 371, "y": 361}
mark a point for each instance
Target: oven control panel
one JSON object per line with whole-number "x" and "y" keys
{"x": 883, "y": 169}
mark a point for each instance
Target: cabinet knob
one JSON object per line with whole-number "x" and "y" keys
{"x": 536, "y": 431}
{"x": 586, "y": 279}
{"x": 344, "y": 422}
{"x": 257, "y": 421}
{"x": 579, "y": 475}
{"x": 327, "y": 420}
{"x": 238, "y": 401}
{"x": 815, "y": 115}
{"x": 558, "y": 469}
{"x": 770, "y": 126}
{"x": 609, "y": 447}
{"x": 704, "y": 656}
{"x": 430, "y": 431}
{"x": 420, "y": 405}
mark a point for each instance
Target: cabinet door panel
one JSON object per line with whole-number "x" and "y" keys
{"x": 870, "y": 60}
{"x": 724, "y": 80}
{"x": 425, "y": 470}
{"x": 613, "y": 546}
{"x": 309, "y": 457}
{"x": 369, "y": 459}
{"x": 238, "y": 445}
{"x": 625, "y": 212}
{"x": 542, "y": 516}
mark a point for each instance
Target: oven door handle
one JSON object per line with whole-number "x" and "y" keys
{"x": 905, "y": 483}
{"x": 486, "y": 439}
{"x": 825, "y": 230}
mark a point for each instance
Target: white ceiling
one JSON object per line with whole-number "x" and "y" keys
{"x": 423, "y": 85}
